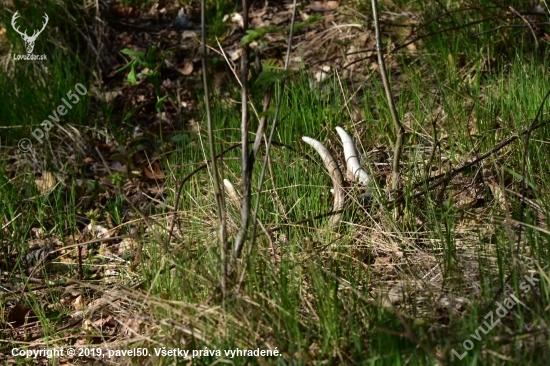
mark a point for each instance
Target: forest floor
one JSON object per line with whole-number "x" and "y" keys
{"x": 109, "y": 245}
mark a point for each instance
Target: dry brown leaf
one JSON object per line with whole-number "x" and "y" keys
{"x": 78, "y": 303}
{"x": 187, "y": 68}
{"x": 411, "y": 47}
{"x": 331, "y": 5}
{"x": 46, "y": 183}
{"x": 498, "y": 195}
{"x": 3, "y": 33}
{"x": 123, "y": 11}
{"x": 117, "y": 167}
{"x": 235, "y": 18}
{"x": 19, "y": 314}
{"x": 102, "y": 322}
{"x": 97, "y": 231}
{"x": 111, "y": 95}
{"x": 188, "y": 34}
{"x": 87, "y": 325}
{"x": 316, "y": 6}
{"x": 194, "y": 126}
{"x": 319, "y": 6}
{"x": 155, "y": 173}
{"x": 132, "y": 326}
{"x": 234, "y": 55}
{"x": 127, "y": 245}
{"x": 382, "y": 260}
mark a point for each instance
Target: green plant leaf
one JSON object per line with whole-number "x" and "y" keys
{"x": 268, "y": 77}
{"x": 138, "y": 55}
{"x": 131, "y": 78}
{"x": 269, "y": 112}
{"x": 150, "y": 58}
{"x": 520, "y": 177}
{"x": 254, "y": 34}
{"x": 160, "y": 101}
{"x": 182, "y": 137}
{"x": 129, "y": 64}
{"x": 251, "y": 35}
{"x": 312, "y": 19}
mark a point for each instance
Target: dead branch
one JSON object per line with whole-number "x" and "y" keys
{"x": 399, "y": 129}
{"x": 220, "y": 198}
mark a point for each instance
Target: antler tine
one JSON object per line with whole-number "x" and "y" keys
{"x": 13, "y": 19}
{"x": 336, "y": 176}
{"x": 36, "y": 31}
{"x": 46, "y": 23}
{"x": 352, "y": 158}
{"x": 231, "y": 192}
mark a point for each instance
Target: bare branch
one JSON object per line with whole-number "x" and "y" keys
{"x": 220, "y": 199}
{"x": 272, "y": 131}
{"x": 263, "y": 122}
{"x": 399, "y": 129}
{"x": 247, "y": 158}
{"x": 235, "y": 201}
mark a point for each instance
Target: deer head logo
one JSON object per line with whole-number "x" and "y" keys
{"x": 29, "y": 40}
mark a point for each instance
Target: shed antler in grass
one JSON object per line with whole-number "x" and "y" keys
{"x": 354, "y": 169}
{"x": 356, "y": 172}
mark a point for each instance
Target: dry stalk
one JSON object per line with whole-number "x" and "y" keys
{"x": 220, "y": 199}
{"x": 399, "y": 129}
{"x": 247, "y": 161}
{"x": 235, "y": 201}
{"x": 238, "y": 249}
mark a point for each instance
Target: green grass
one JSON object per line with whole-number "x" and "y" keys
{"x": 324, "y": 297}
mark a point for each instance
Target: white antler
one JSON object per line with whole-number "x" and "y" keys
{"x": 231, "y": 192}
{"x": 13, "y": 18}
{"x": 29, "y": 40}
{"x": 43, "y": 25}
{"x": 352, "y": 158}
{"x": 336, "y": 176}
{"x": 357, "y": 173}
